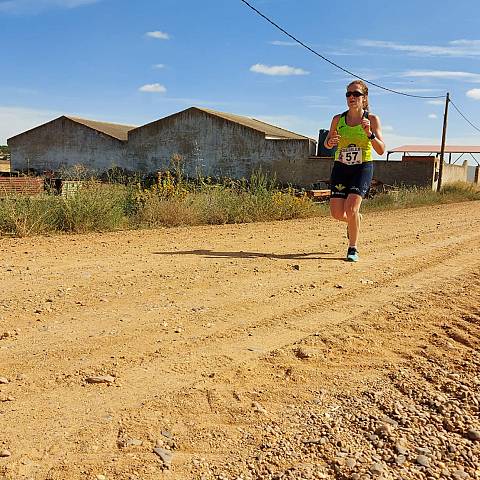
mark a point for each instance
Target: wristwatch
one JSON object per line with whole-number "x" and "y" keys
{"x": 372, "y": 136}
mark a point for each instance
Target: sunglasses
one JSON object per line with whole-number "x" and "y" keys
{"x": 356, "y": 94}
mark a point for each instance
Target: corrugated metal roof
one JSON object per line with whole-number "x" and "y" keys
{"x": 270, "y": 131}
{"x": 114, "y": 130}
{"x": 436, "y": 149}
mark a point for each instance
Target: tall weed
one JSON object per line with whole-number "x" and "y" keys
{"x": 22, "y": 216}
{"x": 94, "y": 207}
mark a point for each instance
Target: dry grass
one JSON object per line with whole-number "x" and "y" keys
{"x": 105, "y": 207}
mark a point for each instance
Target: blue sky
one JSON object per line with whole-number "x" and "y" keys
{"x": 132, "y": 62}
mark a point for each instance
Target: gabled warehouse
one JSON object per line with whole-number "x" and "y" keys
{"x": 68, "y": 141}
{"x": 218, "y": 144}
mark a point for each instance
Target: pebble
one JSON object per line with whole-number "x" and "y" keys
{"x": 473, "y": 435}
{"x": 165, "y": 455}
{"x": 400, "y": 459}
{"x": 4, "y": 381}
{"x": 401, "y": 450}
{"x": 423, "y": 460}
{"x": 350, "y": 462}
{"x": 100, "y": 379}
{"x": 5, "y": 453}
{"x": 133, "y": 442}
{"x": 459, "y": 474}
{"x": 384, "y": 430}
{"x": 258, "y": 408}
{"x": 377, "y": 468}
{"x": 303, "y": 353}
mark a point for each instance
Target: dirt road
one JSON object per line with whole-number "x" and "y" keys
{"x": 244, "y": 351}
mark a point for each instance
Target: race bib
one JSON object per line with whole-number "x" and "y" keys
{"x": 350, "y": 155}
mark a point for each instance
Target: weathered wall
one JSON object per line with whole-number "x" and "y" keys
{"x": 288, "y": 160}
{"x": 455, "y": 173}
{"x": 306, "y": 171}
{"x": 63, "y": 143}
{"x": 413, "y": 172}
{"x": 211, "y": 146}
{"x": 207, "y": 145}
{"x": 476, "y": 178}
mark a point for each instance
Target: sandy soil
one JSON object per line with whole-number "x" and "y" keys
{"x": 223, "y": 340}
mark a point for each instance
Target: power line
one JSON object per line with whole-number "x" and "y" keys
{"x": 464, "y": 117}
{"x": 330, "y": 61}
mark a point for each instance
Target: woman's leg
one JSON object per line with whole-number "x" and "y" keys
{"x": 337, "y": 209}
{"x": 352, "y": 212}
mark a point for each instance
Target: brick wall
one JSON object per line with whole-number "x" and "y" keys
{"x": 21, "y": 185}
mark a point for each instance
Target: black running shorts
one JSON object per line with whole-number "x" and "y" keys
{"x": 346, "y": 179}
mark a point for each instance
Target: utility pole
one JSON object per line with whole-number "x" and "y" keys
{"x": 444, "y": 136}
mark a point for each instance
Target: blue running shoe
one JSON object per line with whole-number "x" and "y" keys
{"x": 352, "y": 254}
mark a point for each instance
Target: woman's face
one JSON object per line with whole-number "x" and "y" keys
{"x": 355, "y": 96}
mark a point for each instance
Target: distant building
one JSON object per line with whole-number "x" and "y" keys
{"x": 208, "y": 143}
{"x": 212, "y": 143}
{"x": 68, "y": 141}
{"x": 217, "y": 144}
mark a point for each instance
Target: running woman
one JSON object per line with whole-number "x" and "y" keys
{"x": 354, "y": 133}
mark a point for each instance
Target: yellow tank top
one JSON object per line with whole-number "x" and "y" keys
{"x": 352, "y": 138}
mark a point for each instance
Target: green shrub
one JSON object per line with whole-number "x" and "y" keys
{"x": 94, "y": 207}
{"x": 23, "y": 216}
{"x": 154, "y": 210}
{"x": 417, "y": 197}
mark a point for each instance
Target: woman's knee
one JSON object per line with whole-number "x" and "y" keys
{"x": 352, "y": 211}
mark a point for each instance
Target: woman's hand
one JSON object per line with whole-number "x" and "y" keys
{"x": 333, "y": 140}
{"x": 367, "y": 128}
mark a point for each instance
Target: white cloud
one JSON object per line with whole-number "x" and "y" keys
{"x": 314, "y": 98}
{"x": 473, "y": 43}
{"x": 35, "y": 6}
{"x": 282, "y": 43}
{"x": 420, "y": 90}
{"x": 455, "y": 48}
{"x": 277, "y": 70}
{"x": 474, "y": 93}
{"x": 15, "y": 120}
{"x": 436, "y": 102}
{"x": 433, "y": 116}
{"x": 153, "y": 88}
{"x": 159, "y": 35}
{"x": 387, "y": 128}
{"x": 444, "y": 74}
{"x": 159, "y": 65}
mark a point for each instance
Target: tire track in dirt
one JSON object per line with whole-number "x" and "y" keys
{"x": 68, "y": 351}
{"x": 265, "y": 315}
